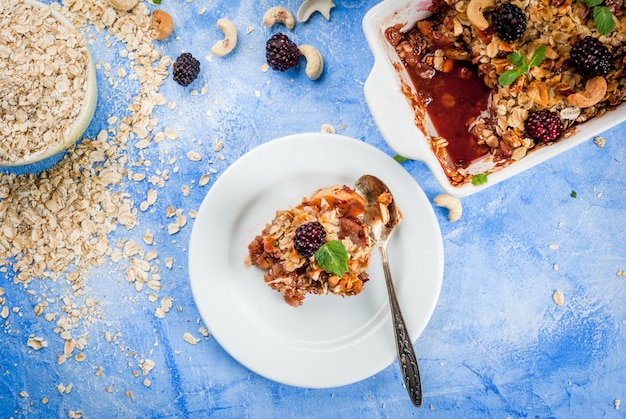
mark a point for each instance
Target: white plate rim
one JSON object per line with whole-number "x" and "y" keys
{"x": 238, "y": 323}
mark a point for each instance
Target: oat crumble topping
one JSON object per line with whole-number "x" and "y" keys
{"x": 338, "y": 210}
{"x": 552, "y": 85}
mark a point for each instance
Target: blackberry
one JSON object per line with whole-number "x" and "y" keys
{"x": 309, "y": 237}
{"x": 590, "y": 57}
{"x": 509, "y": 22}
{"x": 186, "y": 69}
{"x": 544, "y": 125}
{"x": 281, "y": 53}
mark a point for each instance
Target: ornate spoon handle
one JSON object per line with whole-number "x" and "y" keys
{"x": 406, "y": 354}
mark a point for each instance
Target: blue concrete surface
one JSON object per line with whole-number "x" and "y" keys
{"x": 497, "y": 345}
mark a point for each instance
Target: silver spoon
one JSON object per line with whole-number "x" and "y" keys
{"x": 382, "y": 215}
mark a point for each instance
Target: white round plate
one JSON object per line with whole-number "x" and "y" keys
{"x": 329, "y": 341}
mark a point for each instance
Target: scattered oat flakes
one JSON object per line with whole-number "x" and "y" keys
{"x": 189, "y": 338}
{"x": 194, "y": 156}
{"x": 554, "y": 246}
{"x": 328, "y": 129}
{"x": 170, "y": 134}
{"x": 599, "y": 141}
{"x": 36, "y": 342}
{"x": 23, "y": 394}
{"x": 147, "y": 366}
{"x": 621, "y": 272}
{"x": 173, "y": 228}
{"x": 617, "y": 403}
{"x": 204, "y": 180}
{"x": 148, "y": 237}
{"x": 558, "y": 298}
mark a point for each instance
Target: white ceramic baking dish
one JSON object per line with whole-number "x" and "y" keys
{"x": 394, "y": 115}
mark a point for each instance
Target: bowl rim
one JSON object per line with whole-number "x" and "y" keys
{"x": 404, "y": 137}
{"x": 83, "y": 119}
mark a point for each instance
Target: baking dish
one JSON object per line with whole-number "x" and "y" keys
{"x": 386, "y": 90}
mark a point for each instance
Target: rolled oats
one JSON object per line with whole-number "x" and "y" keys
{"x": 43, "y": 66}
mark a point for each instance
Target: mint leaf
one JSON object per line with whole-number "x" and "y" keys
{"x": 508, "y": 77}
{"x": 515, "y": 58}
{"x": 399, "y": 158}
{"x": 333, "y": 258}
{"x": 538, "y": 56}
{"x": 591, "y": 3}
{"x": 480, "y": 178}
{"x": 156, "y": 1}
{"x": 518, "y": 60}
{"x": 603, "y": 18}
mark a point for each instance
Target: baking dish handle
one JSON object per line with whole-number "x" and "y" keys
{"x": 394, "y": 119}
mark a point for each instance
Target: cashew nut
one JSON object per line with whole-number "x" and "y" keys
{"x": 475, "y": 10}
{"x": 227, "y": 44}
{"x": 308, "y": 7}
{"x": 161, "y": 25}
{"x": 594, "y": 92}
{"x": 455, "y": 209}
{"x": 314, "y": 61}
{"x": 278, "y": 14}
{"x": 124, "y": 5}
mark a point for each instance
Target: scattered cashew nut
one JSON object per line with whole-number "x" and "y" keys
{"x": 278, "y": 14}
{"x": 455, "y": 209}
{"x": 308, "y": 7}
{"x": 227, "y": 44}
{"x": 161, "y": 25}
{"x": 475, "y": 10}
{"x": 594, "y": 92}
{"x": 124, "y": 5}
{"x": 314, "y": 61}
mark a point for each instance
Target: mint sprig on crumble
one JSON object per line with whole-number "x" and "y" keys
{"x": 333, "y": 258}
{"x": 521, "y": 65}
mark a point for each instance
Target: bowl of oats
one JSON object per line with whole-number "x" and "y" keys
{"x": 49, "y": 93}
{"x": 481, "y": 90}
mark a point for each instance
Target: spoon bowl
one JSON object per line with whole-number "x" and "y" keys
{"x": 382, "y": 215}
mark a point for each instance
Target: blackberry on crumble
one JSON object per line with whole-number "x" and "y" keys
{"x": 281, "y": 53}
{"x": 309, "y": 237}
{"x": 509, "y": 22}
{"x": 590, "y": 57}
{"x": 544, "y": 125}
{"x": 186, "y": 69}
